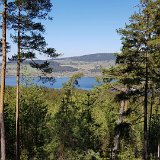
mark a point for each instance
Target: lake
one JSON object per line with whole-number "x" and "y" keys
{"x": 85, "y": 83}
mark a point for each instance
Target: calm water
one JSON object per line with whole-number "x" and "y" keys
{"x": 85, "y": 83}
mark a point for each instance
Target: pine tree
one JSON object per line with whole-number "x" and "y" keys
{"x": 138, "y": 63}
{"x": 3, "y": 72}
{"x": 29, "y": 41}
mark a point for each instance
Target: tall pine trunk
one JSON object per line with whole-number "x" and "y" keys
{"x": 145, "y": 143}
{"x": 145, "y": 126}
{"x": 17, "y": 91}
{"x": 3, "y": 72}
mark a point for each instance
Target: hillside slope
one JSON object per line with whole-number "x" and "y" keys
{"x": 92, "y": 57}
{"x": 89, "y": 65}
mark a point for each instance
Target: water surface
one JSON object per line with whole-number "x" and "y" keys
{"x": 85, "y": 83}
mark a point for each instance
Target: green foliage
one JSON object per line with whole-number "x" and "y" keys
{"x": 75, "y": 125}
{"x": 154, "y": 135}
{"x": 137, "y": 76}
{"x": 103, "y": 123}
{"x": 76, "y": 122}
{"x": 34, "y": 123}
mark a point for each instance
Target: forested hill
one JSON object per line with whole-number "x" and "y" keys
{"x": 92, "y": 57}
{"x": 89, "y": 65}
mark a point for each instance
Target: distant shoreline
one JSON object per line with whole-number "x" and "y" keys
{"x": 89, "y": 65}
{"x": 7, "y": 76}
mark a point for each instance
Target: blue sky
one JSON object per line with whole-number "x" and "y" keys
{"x": 82, "y": 27}
{"x": 88, "y": 26}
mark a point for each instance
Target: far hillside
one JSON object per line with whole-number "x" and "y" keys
{"x": 92, "y": 57}
{"x": 89, "y": 65}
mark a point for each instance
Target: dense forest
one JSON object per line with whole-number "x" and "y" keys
{"x": 119, "y": 120}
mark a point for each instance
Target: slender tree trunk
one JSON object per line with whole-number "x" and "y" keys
{"x": 150, "y": 119}
{"x": 3, "y": 72}
{"x": 150, "y": 116}
{"x": 145, "y": 143}
{"x": 158, "y": 150}
{"x": 17, "y": 91}
{"x": 117, "y": 136}
{"x": 61, "y": 152}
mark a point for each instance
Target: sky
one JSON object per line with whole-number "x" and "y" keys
{"x": 82, "y": 27}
